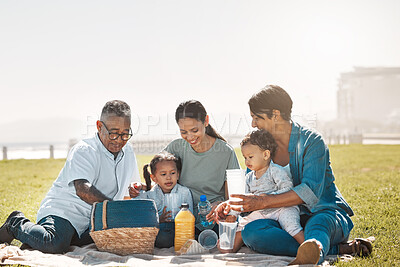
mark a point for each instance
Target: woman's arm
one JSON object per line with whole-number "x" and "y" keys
{"x": 253, "y": 202}
{"x": 226, "y": 190}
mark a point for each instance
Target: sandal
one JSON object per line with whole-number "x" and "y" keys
{"x": 361, "y": 247}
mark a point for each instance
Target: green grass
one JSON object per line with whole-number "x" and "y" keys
{"x": 367, "y": 175}
{"x": 369, "y": 179}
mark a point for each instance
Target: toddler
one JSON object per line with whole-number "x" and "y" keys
{"x": 167, "y": 194}
{"x": 267, "y": 178}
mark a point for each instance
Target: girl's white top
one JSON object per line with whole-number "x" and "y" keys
{"x": 179, "y": 194}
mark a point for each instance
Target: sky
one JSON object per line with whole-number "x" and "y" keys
{"x": 62, "y": 60}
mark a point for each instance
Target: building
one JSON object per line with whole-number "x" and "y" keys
{"x": 369, "y": 95}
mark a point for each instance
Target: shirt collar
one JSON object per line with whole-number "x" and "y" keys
{"x": 105, "y": 150}
{"x": 175, "y": 189}
{"x": 294, "y": 136}
{"x": 158, "y": 188}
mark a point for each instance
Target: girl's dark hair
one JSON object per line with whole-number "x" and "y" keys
{"x": 262, "y": 139}
{"x": 195, "y": 110}
{"x": 269, "y": 98}
{"x": 162, "y": 156}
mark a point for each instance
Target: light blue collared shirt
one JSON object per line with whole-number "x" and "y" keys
{"x": 89, "y": 160}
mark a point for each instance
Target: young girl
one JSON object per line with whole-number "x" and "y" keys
{"x": 267, "y": 178}
{"x": 167, "y": 194}
{"x": 205, "y": 156}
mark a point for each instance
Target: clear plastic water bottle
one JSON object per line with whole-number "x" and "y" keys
{"x": 204, "y": 207}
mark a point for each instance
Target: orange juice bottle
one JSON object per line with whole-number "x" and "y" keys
{"x": 184, "y": 226}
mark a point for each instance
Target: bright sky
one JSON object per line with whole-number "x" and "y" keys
{"x": 67, "y": 58}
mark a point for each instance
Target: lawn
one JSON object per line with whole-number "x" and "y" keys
{"x": 367, "y": 175}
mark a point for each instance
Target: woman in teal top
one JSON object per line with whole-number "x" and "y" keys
{"x": 324, "y": 212}
{"x": 204, "y": 153}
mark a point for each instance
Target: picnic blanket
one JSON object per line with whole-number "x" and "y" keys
{"x": 89, "y": 255}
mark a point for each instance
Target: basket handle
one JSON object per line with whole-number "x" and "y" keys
{"x": 92, "y": 216}
{"x": 105, "y": 214}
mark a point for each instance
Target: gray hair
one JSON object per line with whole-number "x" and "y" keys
{"x": 115, "y": 108}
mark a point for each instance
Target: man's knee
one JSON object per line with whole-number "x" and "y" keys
{"x": 52, "y": 243}
{"x": 55, "y": 247}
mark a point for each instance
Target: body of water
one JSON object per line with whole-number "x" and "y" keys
{"x": 380, "y": 142}
{"x": 42, "y": 151}
{"x": 35, "y": 151}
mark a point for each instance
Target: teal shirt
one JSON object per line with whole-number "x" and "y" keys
{"x": 204, "y": 173}
{"x": 312, "y": 174}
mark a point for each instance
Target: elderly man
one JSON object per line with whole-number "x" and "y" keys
{"x": 96, "y": 169}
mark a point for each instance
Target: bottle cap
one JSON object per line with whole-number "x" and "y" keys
{"x": 203, "y": 198}
{"x": 184, "y": 206}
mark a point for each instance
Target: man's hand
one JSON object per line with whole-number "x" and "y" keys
{"x": 134, "y": 189}
{"x": 88, "y": 193}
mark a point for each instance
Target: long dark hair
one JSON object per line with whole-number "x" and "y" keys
{"x": 195, "y": 110}
{"x": 269, "y": 98}
{"x": 162, "y": 156}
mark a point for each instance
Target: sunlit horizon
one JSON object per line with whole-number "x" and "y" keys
{"x": 65, "y": 60}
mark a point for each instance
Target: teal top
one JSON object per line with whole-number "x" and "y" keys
{"x": 313, "y": 178}
{"x": 204, "y": 173}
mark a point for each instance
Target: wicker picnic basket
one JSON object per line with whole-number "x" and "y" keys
{"x": 125, "y": 227}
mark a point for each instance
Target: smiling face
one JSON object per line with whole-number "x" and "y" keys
{"x": 166, "y": 175}
{"x": 193, "y": 131}
{"x": 114, "y": 124}
{"x": 254, "y": 157}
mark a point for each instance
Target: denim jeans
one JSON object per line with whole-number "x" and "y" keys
{"x": 166, "y": 235}
{"x": 52, "y": 234}
{"x": 330, "y": 227}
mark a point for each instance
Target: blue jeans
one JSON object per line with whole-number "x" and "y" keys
{"x": 52, "y": 234}
{"x": 330, "y": 227}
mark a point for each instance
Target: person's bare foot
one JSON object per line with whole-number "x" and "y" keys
{"x": 307, "y": 253}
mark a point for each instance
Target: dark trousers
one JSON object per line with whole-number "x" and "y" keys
{"x": 166, "y": 235}
{"x": 52, "y": 234}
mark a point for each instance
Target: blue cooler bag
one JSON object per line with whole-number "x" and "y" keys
{"x": 125, "y": 226}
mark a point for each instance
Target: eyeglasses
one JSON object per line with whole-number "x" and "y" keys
{"x": 114, "y": 136}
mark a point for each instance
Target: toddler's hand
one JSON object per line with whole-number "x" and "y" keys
{"x": 165, "y": 216}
